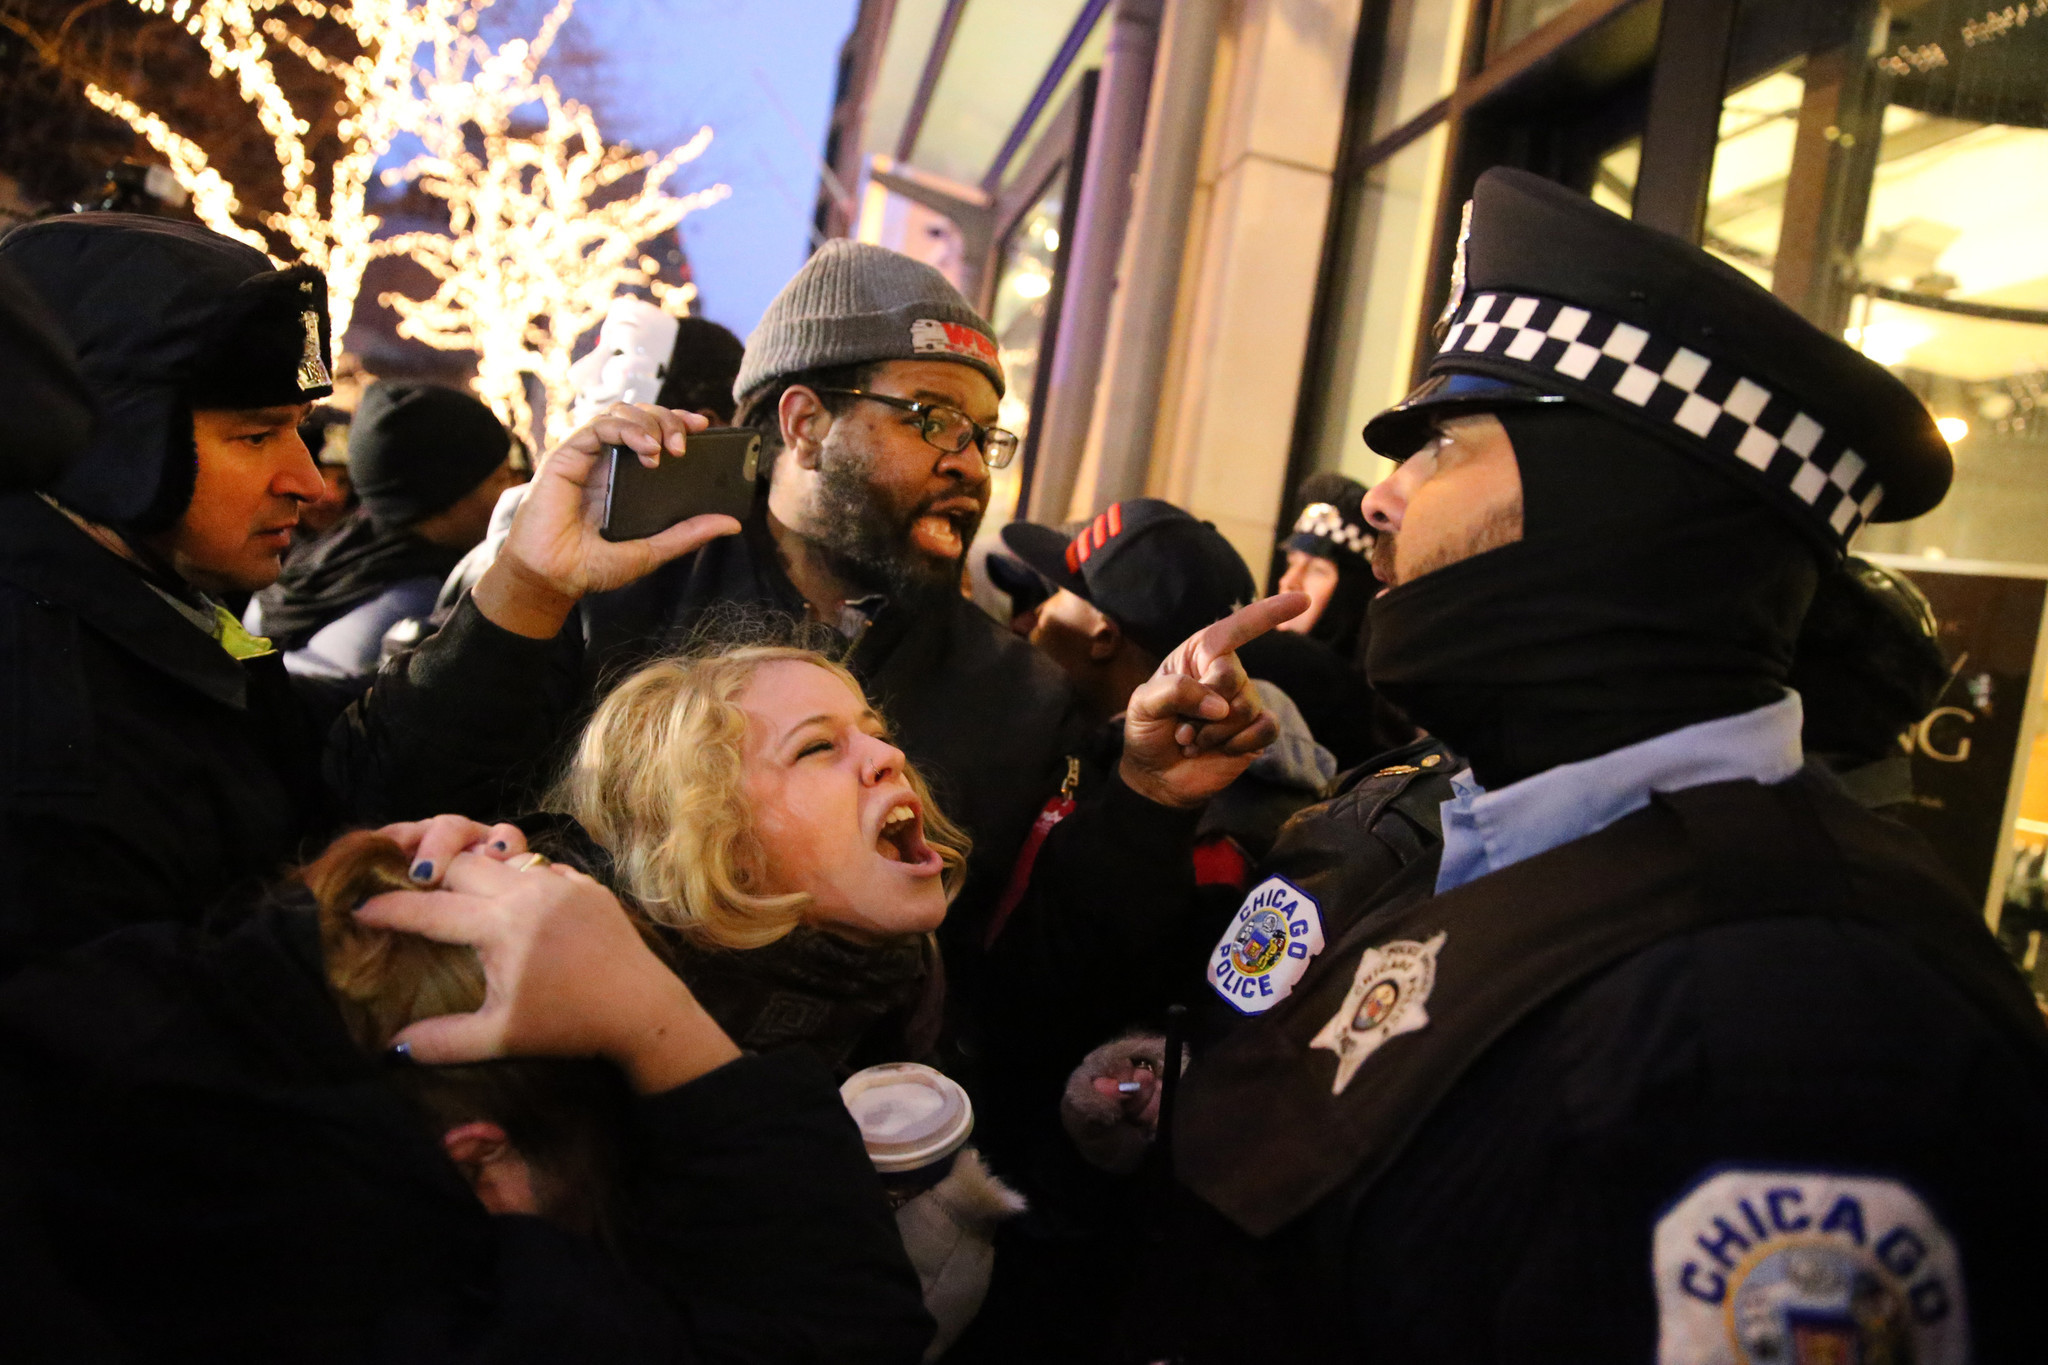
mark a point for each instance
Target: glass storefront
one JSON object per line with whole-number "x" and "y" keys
{"x": 1373, "y": 349}
{"x": 1020, "y": 313}
{"x": 1425, "y": 44}
{"x": 1519, "y": 18}
{"x": 1946, "y": 282}
{"x": 998, "y": 55}
{"x": 1089, "y": 58}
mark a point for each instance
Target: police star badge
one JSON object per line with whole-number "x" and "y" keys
{"x": 1457, "y": 296}
{"x": 1386, "y": 998}
{"x": 312, "y": 373}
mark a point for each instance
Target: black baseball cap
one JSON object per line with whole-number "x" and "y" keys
{"x": 1156, "y": 571}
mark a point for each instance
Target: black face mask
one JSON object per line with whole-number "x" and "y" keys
{"x": 1647, "y": 594}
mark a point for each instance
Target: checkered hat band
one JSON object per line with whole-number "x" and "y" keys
{"x": 1572, "y": 350}
{"x": 1322, "y": 519}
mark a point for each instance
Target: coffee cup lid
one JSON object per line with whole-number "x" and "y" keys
{"x": 909, "y": 1115}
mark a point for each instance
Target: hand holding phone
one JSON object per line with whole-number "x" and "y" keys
{"x": 718, "y": 472}
{"x": 556, "y": 552}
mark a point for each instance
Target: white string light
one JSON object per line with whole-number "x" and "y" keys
{"x": 529, "y": 263}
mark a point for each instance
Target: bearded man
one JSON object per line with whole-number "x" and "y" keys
{"x": 874, "y": 386}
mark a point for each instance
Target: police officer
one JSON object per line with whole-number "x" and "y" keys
{"x": 1672, "y": 1051}
{"x": 1329, "y": 557}
{"x": 1318, "y": 658}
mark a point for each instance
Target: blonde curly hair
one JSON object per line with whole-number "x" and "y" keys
{"x": 658, "y": 779}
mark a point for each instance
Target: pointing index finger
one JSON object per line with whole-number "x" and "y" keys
{"x": 1244, "y": 625}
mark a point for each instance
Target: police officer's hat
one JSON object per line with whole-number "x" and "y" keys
{"x": 167, "y": 316}
{"x": 1560, "y": 300}
{"x": 1332, "y": 522}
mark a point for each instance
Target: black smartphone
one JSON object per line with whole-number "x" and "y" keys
{"x": 716, "y": 474}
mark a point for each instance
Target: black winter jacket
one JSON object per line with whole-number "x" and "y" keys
{"x": 1707, "y": 995}
{"x": 196, "y": 1163}
{"x": 144, "y": 774}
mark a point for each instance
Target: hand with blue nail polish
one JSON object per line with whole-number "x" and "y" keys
{"x": 433, "y": 844}
{"x": 566, "y": 974}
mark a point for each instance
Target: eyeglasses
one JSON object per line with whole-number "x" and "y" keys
{"x": 947, "y": 428}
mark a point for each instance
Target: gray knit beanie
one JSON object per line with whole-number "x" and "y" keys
{"x": 853, "y": 303}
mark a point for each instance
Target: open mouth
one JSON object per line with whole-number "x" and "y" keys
{"x": 942, "y": 530}
{"x": 901, "y": 839}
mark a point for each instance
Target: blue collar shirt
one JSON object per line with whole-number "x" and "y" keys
{"x": 1486, "y": 831}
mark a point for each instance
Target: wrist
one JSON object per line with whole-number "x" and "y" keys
{"x": 513, "y": 597}
{"x": 668, "y": 1040}
{"x": 1154, "y": 788}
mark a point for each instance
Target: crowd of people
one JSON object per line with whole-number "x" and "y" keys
{"x": 436, "y": 931}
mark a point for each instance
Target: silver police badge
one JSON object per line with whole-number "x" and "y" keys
{"x": 1386, "y": 999}
{"x": 312, "y": 372}
{"x": 1457, "y": 297}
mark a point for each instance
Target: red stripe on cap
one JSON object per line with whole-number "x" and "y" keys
{"x": 1099, "y": 530}
{"x": 1116, "y": 518}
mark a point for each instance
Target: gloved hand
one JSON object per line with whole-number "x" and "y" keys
{"x": 1111, "y": 1105}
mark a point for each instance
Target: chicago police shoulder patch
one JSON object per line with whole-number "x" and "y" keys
{"x": 1793, "y": 1267}
{"x": 1386, "y": 999}
{"x": 1265, "y": 949}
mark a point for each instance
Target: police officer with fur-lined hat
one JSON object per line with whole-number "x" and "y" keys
{"x": 155, "y": 753}
{"x": 1672, "y": 1051}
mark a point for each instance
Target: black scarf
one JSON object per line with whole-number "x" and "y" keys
{"x": 855, "y": 1003}
{"x": 1647, "y": 594}
{"x": 343, "y": 569}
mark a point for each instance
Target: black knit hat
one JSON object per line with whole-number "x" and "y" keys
{"x": 1558, "y": 300}
{"x": 416, "y": 449}
{"x": 48, "y": 406}
{"x": 167, "y": 317}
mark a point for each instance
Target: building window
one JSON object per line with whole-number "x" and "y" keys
{"x": 1515, "y": 20}
{"x": 1377, "y": 329}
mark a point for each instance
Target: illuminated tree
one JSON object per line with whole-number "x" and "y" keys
{"x": 531, "y": 256}
{"x": 377, "y": 99}
{"x": 543, "y": 230}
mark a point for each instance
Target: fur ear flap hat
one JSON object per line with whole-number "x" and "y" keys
{"x": 167, "y": 317}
